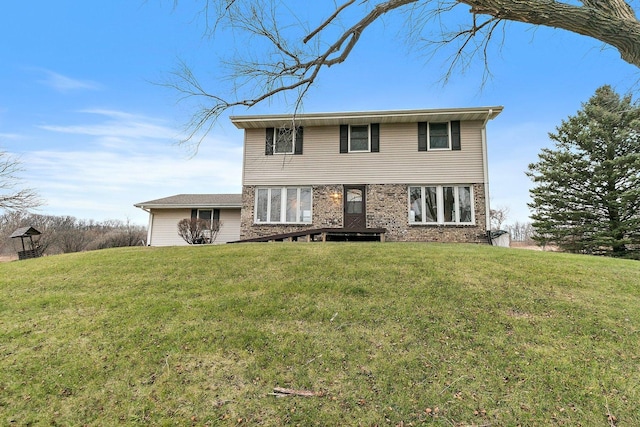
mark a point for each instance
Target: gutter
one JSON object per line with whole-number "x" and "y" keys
{"x": 184, "y": 206}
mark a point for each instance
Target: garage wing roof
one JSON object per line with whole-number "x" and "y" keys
{"x": 194, "y": 201}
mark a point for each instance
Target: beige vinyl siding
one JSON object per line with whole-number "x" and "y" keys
{"x": 398, "y": 161}
{"x": 164, "y": 228}
{"x": 164, "y": 231}
{"x": 230, "y": 228}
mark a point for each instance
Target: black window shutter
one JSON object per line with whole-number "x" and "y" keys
{"x": 216, "y": 215}
{"x": 299, "y": 133}
{"x": 344, "y": 138}
{"x": 455, "y": 135}
{"x": 194, "y": 213}
{"x": 375, "y": 137}
{"x": 268, "y": 149}
{"x": 422, "y": 136}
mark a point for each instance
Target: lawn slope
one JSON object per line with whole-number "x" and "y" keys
{"x": 382, "y": 334}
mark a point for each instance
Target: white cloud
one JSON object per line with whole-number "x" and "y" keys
{"x": 126, "y": 159}
{"x": 117, "y": 124}
{"x": 66, "y": 84}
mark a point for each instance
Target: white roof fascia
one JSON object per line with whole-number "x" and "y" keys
{"x": 395, "y": 116}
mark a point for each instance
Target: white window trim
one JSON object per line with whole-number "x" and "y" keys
{"x": 368, "y": 150}
{"x": 275, "y": 142}
{"x": 283, "y": 206}
{"x": 440, "y": 204}
{"x": 448, "y": 137}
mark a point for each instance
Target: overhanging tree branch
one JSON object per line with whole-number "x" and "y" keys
{"x": 289, "y": 63}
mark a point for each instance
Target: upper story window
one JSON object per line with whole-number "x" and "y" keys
{"x": 441, "y": 204}
{"x": 283, "y": 140}
{"x": 433, "y": 136}
{"x": 360, "y": 138}
{"x": 439, "y": 136}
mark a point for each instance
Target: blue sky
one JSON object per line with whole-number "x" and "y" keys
{"x": 81, "y": 106}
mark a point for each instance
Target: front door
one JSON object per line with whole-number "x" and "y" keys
{"x": 355, "y": 206}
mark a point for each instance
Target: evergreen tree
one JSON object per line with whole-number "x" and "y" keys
{"x": 586, "y": 196}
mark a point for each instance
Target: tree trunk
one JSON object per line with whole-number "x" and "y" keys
{"x": 610, "y": 21}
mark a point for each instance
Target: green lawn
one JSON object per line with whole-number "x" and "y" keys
{"x": 384, "y": 334}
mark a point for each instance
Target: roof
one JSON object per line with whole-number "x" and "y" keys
{"x": 25, "y": 232}
{"x": 194, "y": 201}
{"x": 364, "y": 117}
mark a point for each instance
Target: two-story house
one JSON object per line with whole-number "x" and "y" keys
{"x": 419, "y": 174}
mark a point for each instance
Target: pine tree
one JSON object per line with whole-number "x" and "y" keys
{"x": 586, "y": 196}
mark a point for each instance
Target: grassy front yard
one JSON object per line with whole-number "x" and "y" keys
{"x": 381, "y": 334}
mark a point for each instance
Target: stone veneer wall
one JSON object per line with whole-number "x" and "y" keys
{"x": 387, "y": 207}
{"x": 325, "y": 212}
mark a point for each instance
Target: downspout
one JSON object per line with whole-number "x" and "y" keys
{"x": 485, "y": 167}
{"x": 151, "y": 217}
{"x": 150, "y": 226}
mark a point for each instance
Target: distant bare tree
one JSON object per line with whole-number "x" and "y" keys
{"x": 521, "y": 232}
{"x": 11, "y": 198}
{"x": 283, "y": 52}
{"x": 498, "y": 216}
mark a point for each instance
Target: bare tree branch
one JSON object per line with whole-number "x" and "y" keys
{"x": 290, "y": 62}
{"x": 328, "y": 21}
{"x": 10, "y": 198}
{"x": 610, "y": 21}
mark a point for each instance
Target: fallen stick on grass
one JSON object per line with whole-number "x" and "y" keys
{"x": 286, "y": 392}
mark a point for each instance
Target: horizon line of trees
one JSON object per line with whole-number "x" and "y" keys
{"x": 66, "y": 234}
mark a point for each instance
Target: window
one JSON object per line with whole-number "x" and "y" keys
{"x": 441, "y": 204}
{"x": 360, "y": 138}
{"x": 354, "y": 201}
{"x": 283, "y": 205}
{"x": 438, "y": 136}
{"x": 283, "y": 140}
{"x": 206, "y": 214}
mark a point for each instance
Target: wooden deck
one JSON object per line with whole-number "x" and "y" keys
{"x": 324, "y": 235}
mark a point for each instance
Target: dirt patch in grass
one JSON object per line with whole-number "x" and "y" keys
{"x": 533, "y": 247}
